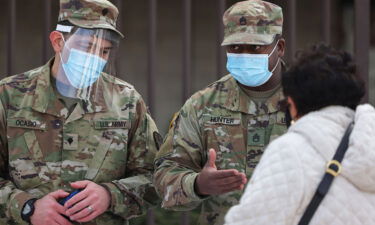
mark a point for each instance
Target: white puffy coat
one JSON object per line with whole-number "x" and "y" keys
{"x": 293, "y": 165}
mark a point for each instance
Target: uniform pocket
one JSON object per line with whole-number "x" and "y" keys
{"x": 109, "y": 160}
{"x": 25, "y": 155}
{"x": 225, "y": 135}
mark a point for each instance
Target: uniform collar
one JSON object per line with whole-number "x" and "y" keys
{"x": 238, "y": 101}
{"x": 46, "y": 100}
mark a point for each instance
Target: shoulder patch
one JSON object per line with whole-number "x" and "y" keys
{"x": 158, "y": 139}
{"x": 173, "y": 120}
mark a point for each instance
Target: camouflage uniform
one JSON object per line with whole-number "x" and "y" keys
{"x": 222, "y": 117}
{"x": 108, "y": 139}
{"x": 252, "y": 22}
{"x": 90, "y": 14}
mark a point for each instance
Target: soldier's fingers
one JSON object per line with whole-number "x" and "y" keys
{"x": 50, "y": 221}
{"x": 59, "y": 208}
{"x": 54, "y": 223}
{"x": 76, "y": 198}
{"x": 78, "y": 207}
{"x": 231, "y": 188}
{"x": 244, "y": 180}
{"x": 243, "y": 176}
{"x": 80, "y": 184}
{"x": 229, "y": 180}
{"x": 211, "y": 158}
{"x": 61, "y": 220}
{"x": 58, "y": 194}
{"x": 82, "y": 214}
{"x": 88, "y": 218}
{"x": 241, "y": 187}
{"x": 225, "y": 173}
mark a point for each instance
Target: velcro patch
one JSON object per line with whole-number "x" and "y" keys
{"x": 256, "y": 137}
{"x": 222, "y": 120}
{"x": 112, "y": 124}
{"x": 25, "y": 123}
{"x": 70, "y": 141}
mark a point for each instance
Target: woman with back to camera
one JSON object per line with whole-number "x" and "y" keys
{"x": 323, "y": 93}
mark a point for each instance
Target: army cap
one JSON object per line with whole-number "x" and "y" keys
{"x": 90, "y": 14}
{"x": 252, "y": 22}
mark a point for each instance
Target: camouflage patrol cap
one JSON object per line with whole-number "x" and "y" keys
{"x": 252, "y": 22}
{"x": 90, "y": 14}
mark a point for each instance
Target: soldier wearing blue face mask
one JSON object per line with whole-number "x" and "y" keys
{"x": 250, "y": 70}
{"x": 84, "y": 55}
{"x": 82, "y": 69}
{"x": 219, "y": 135}
{"x": 77, "y": 143}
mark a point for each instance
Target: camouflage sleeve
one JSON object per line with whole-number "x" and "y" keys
{"x": 133, "y": 195}
{"x": 179, "y": 161}
{"x": 11, "y": 198}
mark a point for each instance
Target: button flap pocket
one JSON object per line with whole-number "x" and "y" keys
{"x": 99, "y": 156}
{"x": 26, "y": 161}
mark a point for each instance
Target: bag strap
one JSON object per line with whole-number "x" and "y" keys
{"x": 333, "y": 169}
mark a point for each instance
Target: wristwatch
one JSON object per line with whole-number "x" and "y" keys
{"x": 28, "y": 209}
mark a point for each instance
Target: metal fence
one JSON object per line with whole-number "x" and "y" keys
{"x": 361, "y": 40}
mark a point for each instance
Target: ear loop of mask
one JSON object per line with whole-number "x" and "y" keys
{"x": 65, "y": 46}
{"x": 63, "y": 88}
{"x": 278, "y": 58}
{"x": 82, "y": 93}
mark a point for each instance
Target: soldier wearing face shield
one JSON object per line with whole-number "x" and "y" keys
{"x": 220, "y": 133}
{"x": 71, "y": 126}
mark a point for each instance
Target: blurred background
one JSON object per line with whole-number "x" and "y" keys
{"x": 172, "y": 47}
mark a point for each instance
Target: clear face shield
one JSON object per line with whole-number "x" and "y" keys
{"x": 87, "y": 63}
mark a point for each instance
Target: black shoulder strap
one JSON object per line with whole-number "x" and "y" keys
{"x": 333, "y": 169}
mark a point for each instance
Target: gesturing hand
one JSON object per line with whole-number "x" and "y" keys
{"x": 91, "y": 202}
{"x": 211, "y": 181}
{"x": 48, "y": 211}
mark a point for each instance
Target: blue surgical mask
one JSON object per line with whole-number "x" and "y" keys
{"x": 250, "y": 69}
{"x": 82, "y": 69}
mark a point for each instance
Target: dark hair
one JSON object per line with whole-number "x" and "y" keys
{"x": 323, "y": 76}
